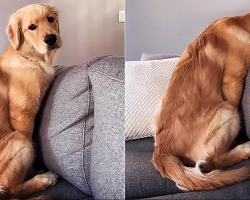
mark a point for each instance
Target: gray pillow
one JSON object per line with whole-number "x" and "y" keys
{"x": 146, "y": 56}
{"x": 66, "y": 125}
{"x": 107, "y": 172}
{"x": 245, "y": 106}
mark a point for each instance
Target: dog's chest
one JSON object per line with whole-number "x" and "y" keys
{"x": 28, "y": 86}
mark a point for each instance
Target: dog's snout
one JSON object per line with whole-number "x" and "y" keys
{"x": 50, "y": 39}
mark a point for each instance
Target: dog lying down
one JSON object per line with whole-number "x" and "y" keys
{"x": 26, "y": 71}
{"x": 198, "y": 119}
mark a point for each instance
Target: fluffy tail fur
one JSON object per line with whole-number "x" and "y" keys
{"x": 190, "y": 179}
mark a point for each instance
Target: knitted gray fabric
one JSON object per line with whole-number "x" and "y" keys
{"x": 245, "y": 106}
{"x": 107, "y": 172}
{"x": 142, "y": 178}
{"x": 238, "y": 191}
{"x": 66, "y": 125}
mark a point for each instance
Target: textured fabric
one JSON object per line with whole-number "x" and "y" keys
{"x": 63, "y": 190}
{"x": 107, "y": 152}
{"x": 146, "y": 84}
{"x": 245, "y": 106}
{"x": 146, "y": 56}
{"x": 238, "y": 191}
{"x": 144, "y": 181}
{"x": 65, "y": 125}
{"x": 142, "y": 178}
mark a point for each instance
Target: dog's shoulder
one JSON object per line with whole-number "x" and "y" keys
{"x": 11, "y": 61}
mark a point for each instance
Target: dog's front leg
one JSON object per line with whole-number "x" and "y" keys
{"x": 34, "y": 185}
{"x": 22, "y": 123}
{"x": 232, "y": 86}
{"x": 232, "y": 157}
{"x": 31, "y": 173}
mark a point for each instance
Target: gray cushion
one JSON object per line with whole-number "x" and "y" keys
{"x": 238, "y": 191}
{"x": 245, "y": 106}
{"x": 107, "y": 153}
{"x": 144, "y": 181}
{"x": 146, "y": 56}
{"x": 66, "y": 125}
{"x": 142, "y": 178}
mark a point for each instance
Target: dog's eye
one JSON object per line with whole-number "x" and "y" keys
{"x": 32, "y": 27}
{"x": 50, "y": 19}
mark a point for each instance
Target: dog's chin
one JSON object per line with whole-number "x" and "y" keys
{"x": 53, "y": 47}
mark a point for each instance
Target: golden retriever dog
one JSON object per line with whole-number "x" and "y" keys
{"x": 26, "y": 71}
{"x": 198, "y": 119}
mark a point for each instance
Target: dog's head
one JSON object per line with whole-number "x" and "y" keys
{"x": 35, "y": 26}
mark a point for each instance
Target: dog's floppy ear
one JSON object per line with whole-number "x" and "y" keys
{"x": 14, "y": 31}
{"x": 56, "y": 13}
{"x": 57, "y": 22}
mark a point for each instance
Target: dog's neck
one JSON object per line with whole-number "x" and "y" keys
{"x": 34, "y": 56}
{"x": 31, "y": 60}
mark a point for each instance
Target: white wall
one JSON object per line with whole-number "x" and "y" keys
{"x": 89, "y": 28}
{"x": 169, "y": 26}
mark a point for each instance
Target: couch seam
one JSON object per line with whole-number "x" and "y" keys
{"x": 84, "y": 138}
{"x": 110, "y": 77}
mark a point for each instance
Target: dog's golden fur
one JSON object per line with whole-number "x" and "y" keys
{"x": 198, "y": 118}
{"x": 26, "y": 72}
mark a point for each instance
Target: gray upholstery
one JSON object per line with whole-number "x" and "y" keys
{"x": 107, "y": 152}
{"x": 144, "y": 181}
{"x": 142, "y": 178}
{"x": 238, "y": 191}
{"x": 146, "y": 56}
{"x": 245, "y": 105}
{"x": 66, "y": 125}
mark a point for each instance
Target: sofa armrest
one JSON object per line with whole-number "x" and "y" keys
{"x": 107, "y": 169}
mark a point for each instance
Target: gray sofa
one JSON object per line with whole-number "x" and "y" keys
{"x": 143, "y": 181}
{"x": 79, "y": 135}
{"x": 79, "y": 131}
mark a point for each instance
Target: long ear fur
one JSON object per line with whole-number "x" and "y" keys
{"x": 14, "y": 31}
{"x": 56, "y": 13}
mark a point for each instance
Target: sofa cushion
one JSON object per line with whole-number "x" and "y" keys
{"x": 238, "y": 191}
{"x": 107, "y": 172}
{"x": 144, "y": 181}
{"x": 245, "y": 106}
{"x": 142, "y": 178}
{"x": 65, "y": 125}
{"x": 147, "y": 56}
{"x": 146, "y": 84}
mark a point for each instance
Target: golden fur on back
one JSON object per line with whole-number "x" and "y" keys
{"x": 26, "y": 71}
{"x": 198, "y": 119}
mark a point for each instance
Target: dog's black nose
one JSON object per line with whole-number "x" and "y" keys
{"x": 50, "y": 39}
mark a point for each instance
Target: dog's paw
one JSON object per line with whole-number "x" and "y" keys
{"x": 48, "y": 179}
{"x": 202, "y": 166}
{"x": 245, "y": 147}
{"x": 182, "y": 188}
